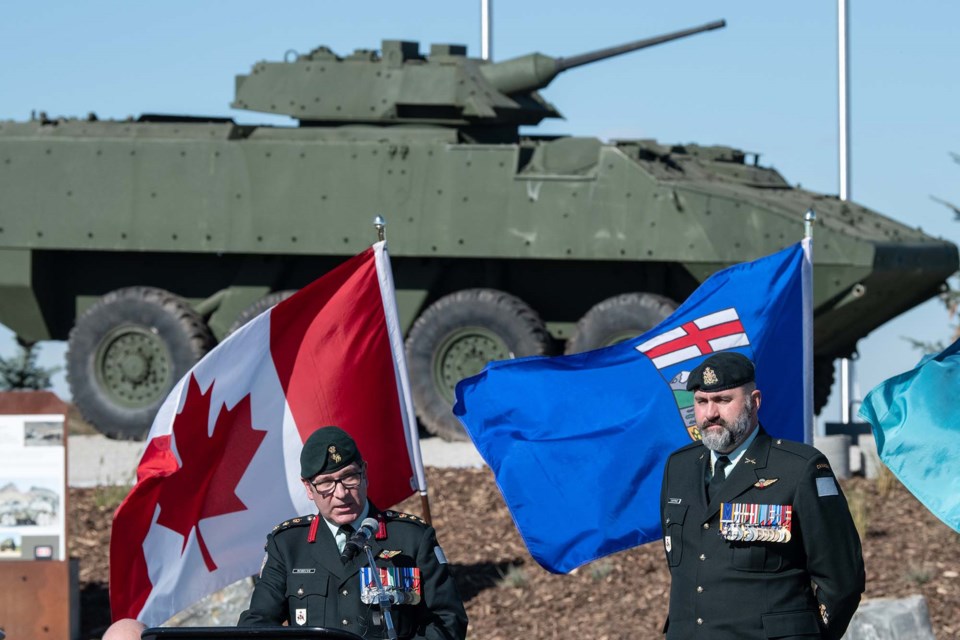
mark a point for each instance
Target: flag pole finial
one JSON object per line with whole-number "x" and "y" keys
{"x": 808, "y": 219}
{"x": 381, "y": 226}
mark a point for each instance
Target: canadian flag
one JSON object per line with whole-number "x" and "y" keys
{"x": 221, "y": 465}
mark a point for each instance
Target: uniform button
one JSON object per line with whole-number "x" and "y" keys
{"x": 699, "y": 620}
{"x": 703, "y": 557}
{"x": 699, "y": 589}
{"x": 345, "y": 592}
{"x": 706, "y": 525}
{"x": 345, "y": 622}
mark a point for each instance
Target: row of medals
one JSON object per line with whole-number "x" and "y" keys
{"x": 749, "y": 533}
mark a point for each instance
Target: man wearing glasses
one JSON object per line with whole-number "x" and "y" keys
{"x": 304, "y": 582}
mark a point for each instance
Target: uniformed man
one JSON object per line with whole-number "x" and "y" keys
{"x": 304, "y": 582}
{"x": 757, "y": 533}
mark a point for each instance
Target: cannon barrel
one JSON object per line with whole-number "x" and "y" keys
{"x": 535, "y": 71}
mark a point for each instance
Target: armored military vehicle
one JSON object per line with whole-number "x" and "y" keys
{"x": 143, "y": 242}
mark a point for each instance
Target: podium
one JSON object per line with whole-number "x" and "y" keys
{"x": 246, "y": 633}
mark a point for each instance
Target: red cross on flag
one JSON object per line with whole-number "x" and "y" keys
{"x": 709, "y": 333}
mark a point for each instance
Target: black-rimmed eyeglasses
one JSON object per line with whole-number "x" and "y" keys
{"x": 349, "y": 481}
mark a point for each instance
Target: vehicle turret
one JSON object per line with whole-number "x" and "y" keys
{"x": 400, "y": 85}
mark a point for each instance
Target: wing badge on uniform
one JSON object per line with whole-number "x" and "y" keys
{"x": 763, "y": 483}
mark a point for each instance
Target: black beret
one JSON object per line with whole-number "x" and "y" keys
{"x": 328, "y": 449}
{"x": 721, "y": 371}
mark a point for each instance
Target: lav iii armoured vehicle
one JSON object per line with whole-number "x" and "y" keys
{"x": 144, "y": 242}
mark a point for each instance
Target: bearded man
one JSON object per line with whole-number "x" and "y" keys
{"x": 757, "y": 533}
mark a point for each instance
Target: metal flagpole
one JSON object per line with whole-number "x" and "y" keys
{"x": 486, "y": 35}
{"x": 389, "y": 298}
{"x": 809, "y": 218}
{"x": 843, "y": 105}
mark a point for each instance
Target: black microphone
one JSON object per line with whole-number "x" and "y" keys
{"x": 356, "y": 542}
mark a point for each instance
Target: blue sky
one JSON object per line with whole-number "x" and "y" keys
{"x": 766, "y": 83}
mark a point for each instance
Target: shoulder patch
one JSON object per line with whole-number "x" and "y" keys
{"x": 399, "y": 516}
{"x": 299, "y": 521}
{"x": 826, "y": 486}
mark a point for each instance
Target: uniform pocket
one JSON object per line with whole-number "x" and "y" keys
{"x": 788, "y": 625}
{"x": 673, "y": 517}
{"x": 746, "y": 556}
{"x": 307, "y": 598}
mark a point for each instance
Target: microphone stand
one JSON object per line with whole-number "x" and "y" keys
{"x": 382, "y": 598}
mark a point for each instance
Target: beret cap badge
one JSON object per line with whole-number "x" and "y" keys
{"x": 336, "y": 457}
{"x": 710, "y": 376}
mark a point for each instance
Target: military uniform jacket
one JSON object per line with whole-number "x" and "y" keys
{"x": 305, "y": 583}
{"x": 736, "y": 589}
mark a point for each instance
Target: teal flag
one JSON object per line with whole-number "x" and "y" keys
{"x": 917, "y": 427}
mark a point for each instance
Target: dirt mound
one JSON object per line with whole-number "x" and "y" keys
{"x": 907, "y": 551}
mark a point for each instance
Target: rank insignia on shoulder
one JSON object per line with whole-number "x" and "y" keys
{"x": 763, "y": 483}
{"x": 675, "y": 500}
{"x": 386, "y": 554}
{"x": 408, "y": 517}
{"x": 823, "y": 465}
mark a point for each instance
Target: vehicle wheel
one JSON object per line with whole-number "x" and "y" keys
{"x": 823, "y": 378}
{"x": 126, "y": 352}
{"x": 259, "y": 307}
{"x": 455, "y": 338}
{"x": 619, "y": 318}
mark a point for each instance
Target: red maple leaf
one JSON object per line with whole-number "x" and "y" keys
{"x": 210, "y": 465}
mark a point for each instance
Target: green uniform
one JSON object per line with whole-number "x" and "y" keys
{"x": 305, "y": 583}
{"x": 759, "y": 586}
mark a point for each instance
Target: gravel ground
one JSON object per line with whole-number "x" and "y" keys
{"x": 907, "y": 551}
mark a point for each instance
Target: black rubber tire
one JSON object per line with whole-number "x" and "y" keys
{"x": 823, "y": 378}
{"x": 259, "y": 307}
{"x": 120, "y": 394}
{"x": 473, "y": 324}
{"x": 619, "y": 318}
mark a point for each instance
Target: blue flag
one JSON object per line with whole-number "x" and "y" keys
{"x": 917, "y": 428}
{"x": 578, "y": 443}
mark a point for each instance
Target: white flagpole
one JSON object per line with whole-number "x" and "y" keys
{"x": 388, "y": 296}
{"x": 806, "y": 279}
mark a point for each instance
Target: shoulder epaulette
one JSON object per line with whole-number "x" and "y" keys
{"x": 299, "y": 521}
{"x": 805, "y": 451}
{"x": 399, "y": 516}
{"x": 692, "y": 445}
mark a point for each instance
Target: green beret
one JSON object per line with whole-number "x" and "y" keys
{"x": 328, "y": 449}
{"x": 721, "y": 371}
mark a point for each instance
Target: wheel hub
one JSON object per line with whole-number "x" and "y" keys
{"x": 133, "y": 366}
{"x": 465, "y": 353}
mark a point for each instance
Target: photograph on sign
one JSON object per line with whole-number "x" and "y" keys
{"x": 45, "y": 433}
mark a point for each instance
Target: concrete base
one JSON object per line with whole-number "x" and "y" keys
{"x": 891, "y": 619}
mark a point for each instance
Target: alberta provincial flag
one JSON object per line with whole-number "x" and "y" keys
{"x": 221, "y": 465}
{"x": 578, "y": 443}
